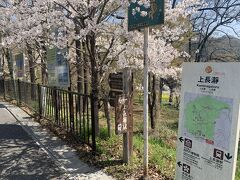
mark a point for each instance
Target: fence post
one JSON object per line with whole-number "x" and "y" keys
{"x": 128, "y": 135}
{"x": 71, "y": 111}
{"x": 39, "y": 100}
{"x": 4, "y": 94}
{"x": 93, "y": 124}
{"x": 55, "y": 103}
{"x": 19, "y": 100}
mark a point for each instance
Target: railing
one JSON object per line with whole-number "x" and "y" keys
{"x": 66, "y": 109}
{"x": 1, "y": 87}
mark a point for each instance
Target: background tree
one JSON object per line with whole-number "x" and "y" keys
{"x": 217, "y": 18}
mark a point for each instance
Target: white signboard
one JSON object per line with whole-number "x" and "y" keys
{"x": 209, "y": 121}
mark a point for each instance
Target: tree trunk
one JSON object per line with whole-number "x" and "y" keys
{"x": 107, "y": 115}
{"x": 3, "y": 63}
{"x": 31, "y": 70}
{"x": 171, "y": 96}
{"x": 174, "y": 4}
{"x": 11, "y": 73}
{"x": 10, "y": 63}
{"x": 190, "y": 46}
{"x": 86, "y": 74}
{"x": 31, "y": 64}
{"x": 177, "y": 101}
{"x": 80, "y": 67}
{"x": 154, "y": 104}
{"x": 44, "y": 66}
{"x": 161, "y": 84}
{"x": 91, "y": 43}
{"x": 150, "y": 99}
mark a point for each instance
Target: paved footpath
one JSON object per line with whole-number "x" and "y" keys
{"x": 29, "y": 152}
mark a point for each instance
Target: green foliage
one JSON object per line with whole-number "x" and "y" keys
{"x": 162, "y": 156}
{"x": 238, "y": 166}
{"x": 104, "y": 134}
{"x": 138, "y": 143}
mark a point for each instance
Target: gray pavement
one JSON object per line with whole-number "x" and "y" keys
{"x": 20, "y": 156}
{"x": 27, "y": 151}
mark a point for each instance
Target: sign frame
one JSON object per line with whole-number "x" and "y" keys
{"x": 141, "y": 16}
{"x": 58, "y": 68}
{"x": 208, "y": 141}
{"x": 19, "y": 59}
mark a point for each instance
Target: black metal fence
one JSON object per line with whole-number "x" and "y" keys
{"x": 1, "y": 87}
{"x": 66, "y": 109}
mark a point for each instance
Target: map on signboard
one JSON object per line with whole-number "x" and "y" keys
{"x": 208, "y": 119}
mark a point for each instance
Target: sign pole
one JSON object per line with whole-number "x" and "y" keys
{"x": 145, "y": 106}
{"x": 137, "y": 21}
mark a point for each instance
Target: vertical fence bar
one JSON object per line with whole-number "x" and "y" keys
{"x": 57, "y": 107}
{"x": 61, "y": 108}
{"x": 88, "y": 132}
{"x": 39, "y": 100}
{"x": 52, "y": 103}
{"x": 1, "y": 86}
{"x": 93, "y": 125}
{"x": 55, "y": 104}
{"x": 76, "y": 113}
{"x": 84, "y": 119}
{"x": 71, "y": 111}
{"x": 44, "y": 103}
{"x": 65, "y": 109}
{"x": 47, "y": 102}
{"x": 80, "y": 116}
{"x": 19, "y": 99}
{"x": 4, "y": 94}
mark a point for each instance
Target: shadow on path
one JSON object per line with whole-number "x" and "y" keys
{"x": 21, "y": 158}
{"x": 2, "y": 106}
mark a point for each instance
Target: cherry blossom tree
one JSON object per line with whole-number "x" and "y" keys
{"x": 96, "y": 32}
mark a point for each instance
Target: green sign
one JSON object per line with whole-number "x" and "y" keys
{"x": 51, "y": 65}
{"x": 58, "y": 69}
{"x": 19, "y": 65}
{"x": 146, "y": 14}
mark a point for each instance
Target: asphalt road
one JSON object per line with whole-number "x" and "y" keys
{"x": 20, "y": 157}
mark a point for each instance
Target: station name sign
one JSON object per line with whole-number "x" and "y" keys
{"x": 209, "y": 121}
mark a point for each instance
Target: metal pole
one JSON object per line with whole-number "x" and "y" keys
{"x": 145, "y": 110}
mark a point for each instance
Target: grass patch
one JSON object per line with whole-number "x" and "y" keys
{"x": 237, "y": 177}
{"x": 162, "y": 153}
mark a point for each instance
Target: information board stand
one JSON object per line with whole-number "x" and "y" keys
{"x": 209, "y": 122}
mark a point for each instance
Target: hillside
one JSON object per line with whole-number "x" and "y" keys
{"x": 221, "y": 49}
